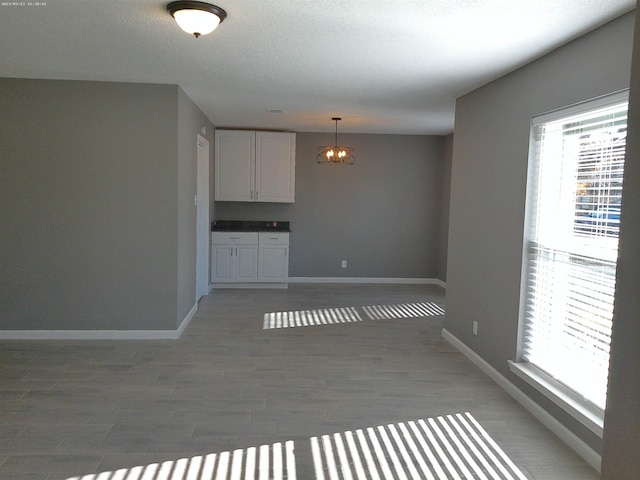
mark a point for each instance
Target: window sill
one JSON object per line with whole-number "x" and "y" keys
{"x": 587, "y": 414}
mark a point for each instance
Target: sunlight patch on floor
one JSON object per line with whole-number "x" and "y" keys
{"x": 404, "y": 310}
{"x": 450, "y": 447}
{"x": 268, "y": 462}
{"x": 327, "y": 316}
{"x": 305, "y": 318}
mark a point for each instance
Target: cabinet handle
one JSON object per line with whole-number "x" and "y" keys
{"x": 251, "y": 194}
{"x": 234, "y": 238}
{"x": 273, "y": 238}
{"x": 256, "y": 194}
{"x": 286, "y": 251}
{"x": 231, "y": 252}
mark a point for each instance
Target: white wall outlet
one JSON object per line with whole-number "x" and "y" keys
{"x": 344, "y": 264}
{"x": 475, "y": 327}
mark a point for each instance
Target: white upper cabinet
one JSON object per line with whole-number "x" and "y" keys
{"x": 275, "y": 166}
{"x": 255, "y": 166}
{"x": 235, "y": 165}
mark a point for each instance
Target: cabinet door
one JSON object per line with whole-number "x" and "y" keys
{"x": 275, "y": 166}
{"x": 222, "y": 263}
{"x": 235, "y": 165}
{"x": 273, "y": 263}
{"x": 246, "y": 263}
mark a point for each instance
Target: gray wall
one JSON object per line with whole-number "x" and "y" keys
{"x": 88, "y": 206}
{"x": 489, "y": 173}
{"x": 382, "y": 214}
{"x": 622, "y": 420}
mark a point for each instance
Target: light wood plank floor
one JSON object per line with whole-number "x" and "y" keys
{"x": 70, "y": 408}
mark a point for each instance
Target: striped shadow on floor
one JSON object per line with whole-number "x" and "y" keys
{"x": 327, "y": 316}
{"x": 406, "y": 310}
{"x": 305, "y": 318}
{"x": 452, "y": 447}
{"x": 268, "y": 462}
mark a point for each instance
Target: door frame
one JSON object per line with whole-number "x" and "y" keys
{"x": 202, "y": 217}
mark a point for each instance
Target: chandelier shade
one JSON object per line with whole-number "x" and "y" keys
{"x": 196, "y": 18}
{"x": 335, "y": 154}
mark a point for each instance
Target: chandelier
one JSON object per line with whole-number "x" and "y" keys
{"x": 335, "y": 154}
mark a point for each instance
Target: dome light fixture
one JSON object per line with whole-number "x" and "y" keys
{"x": 196, "y": 18}
{"x": 335, "y": 154}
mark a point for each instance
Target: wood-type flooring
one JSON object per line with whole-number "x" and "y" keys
{"x": 70, "y": 409}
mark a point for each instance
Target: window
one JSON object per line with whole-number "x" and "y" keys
{"x": 575, "y": 190}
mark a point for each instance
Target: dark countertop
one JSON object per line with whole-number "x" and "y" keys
{"x": 249, "y": 226}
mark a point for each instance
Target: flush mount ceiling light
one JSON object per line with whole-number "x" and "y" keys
{"x": 197, "y": 18}
{"x": 335, "y": 154}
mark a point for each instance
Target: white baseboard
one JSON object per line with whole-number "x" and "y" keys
{"x": 573, "y": 441}
{"x": 187, "y": 319}
{"x": 100, "y": 334}
{"x": 364, "y": 280}
{"x": 256, "y": 285}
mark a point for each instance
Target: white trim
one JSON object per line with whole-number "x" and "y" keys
{"x": 203, "y": 217}
{"x": 186, "y": 320}
{"x": 363, "y": 280}
{"x": 567, "y": 436}
{"x": 88, "y": 334}
{"x": 597, "y": 103}
{"x": 100, "y": 334}
{"x": 219, "y": 286}
{"x": 590, "y": 416}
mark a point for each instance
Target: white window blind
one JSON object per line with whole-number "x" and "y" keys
{"x": 576, "y": 187}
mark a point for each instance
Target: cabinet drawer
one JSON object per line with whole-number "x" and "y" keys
{"x": 274, "y": 238}
{"x": 234, "y": 238}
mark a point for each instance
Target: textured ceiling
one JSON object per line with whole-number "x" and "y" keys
{"x": 384, "y": 67}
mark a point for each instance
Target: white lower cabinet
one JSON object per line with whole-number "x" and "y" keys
{"x": 273, "y": 257}
{"x": 234, "y": 257}
{"x": 249, "y": 257}
{"x": 222, "y": 263}
{"x": 246, "y": 263}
